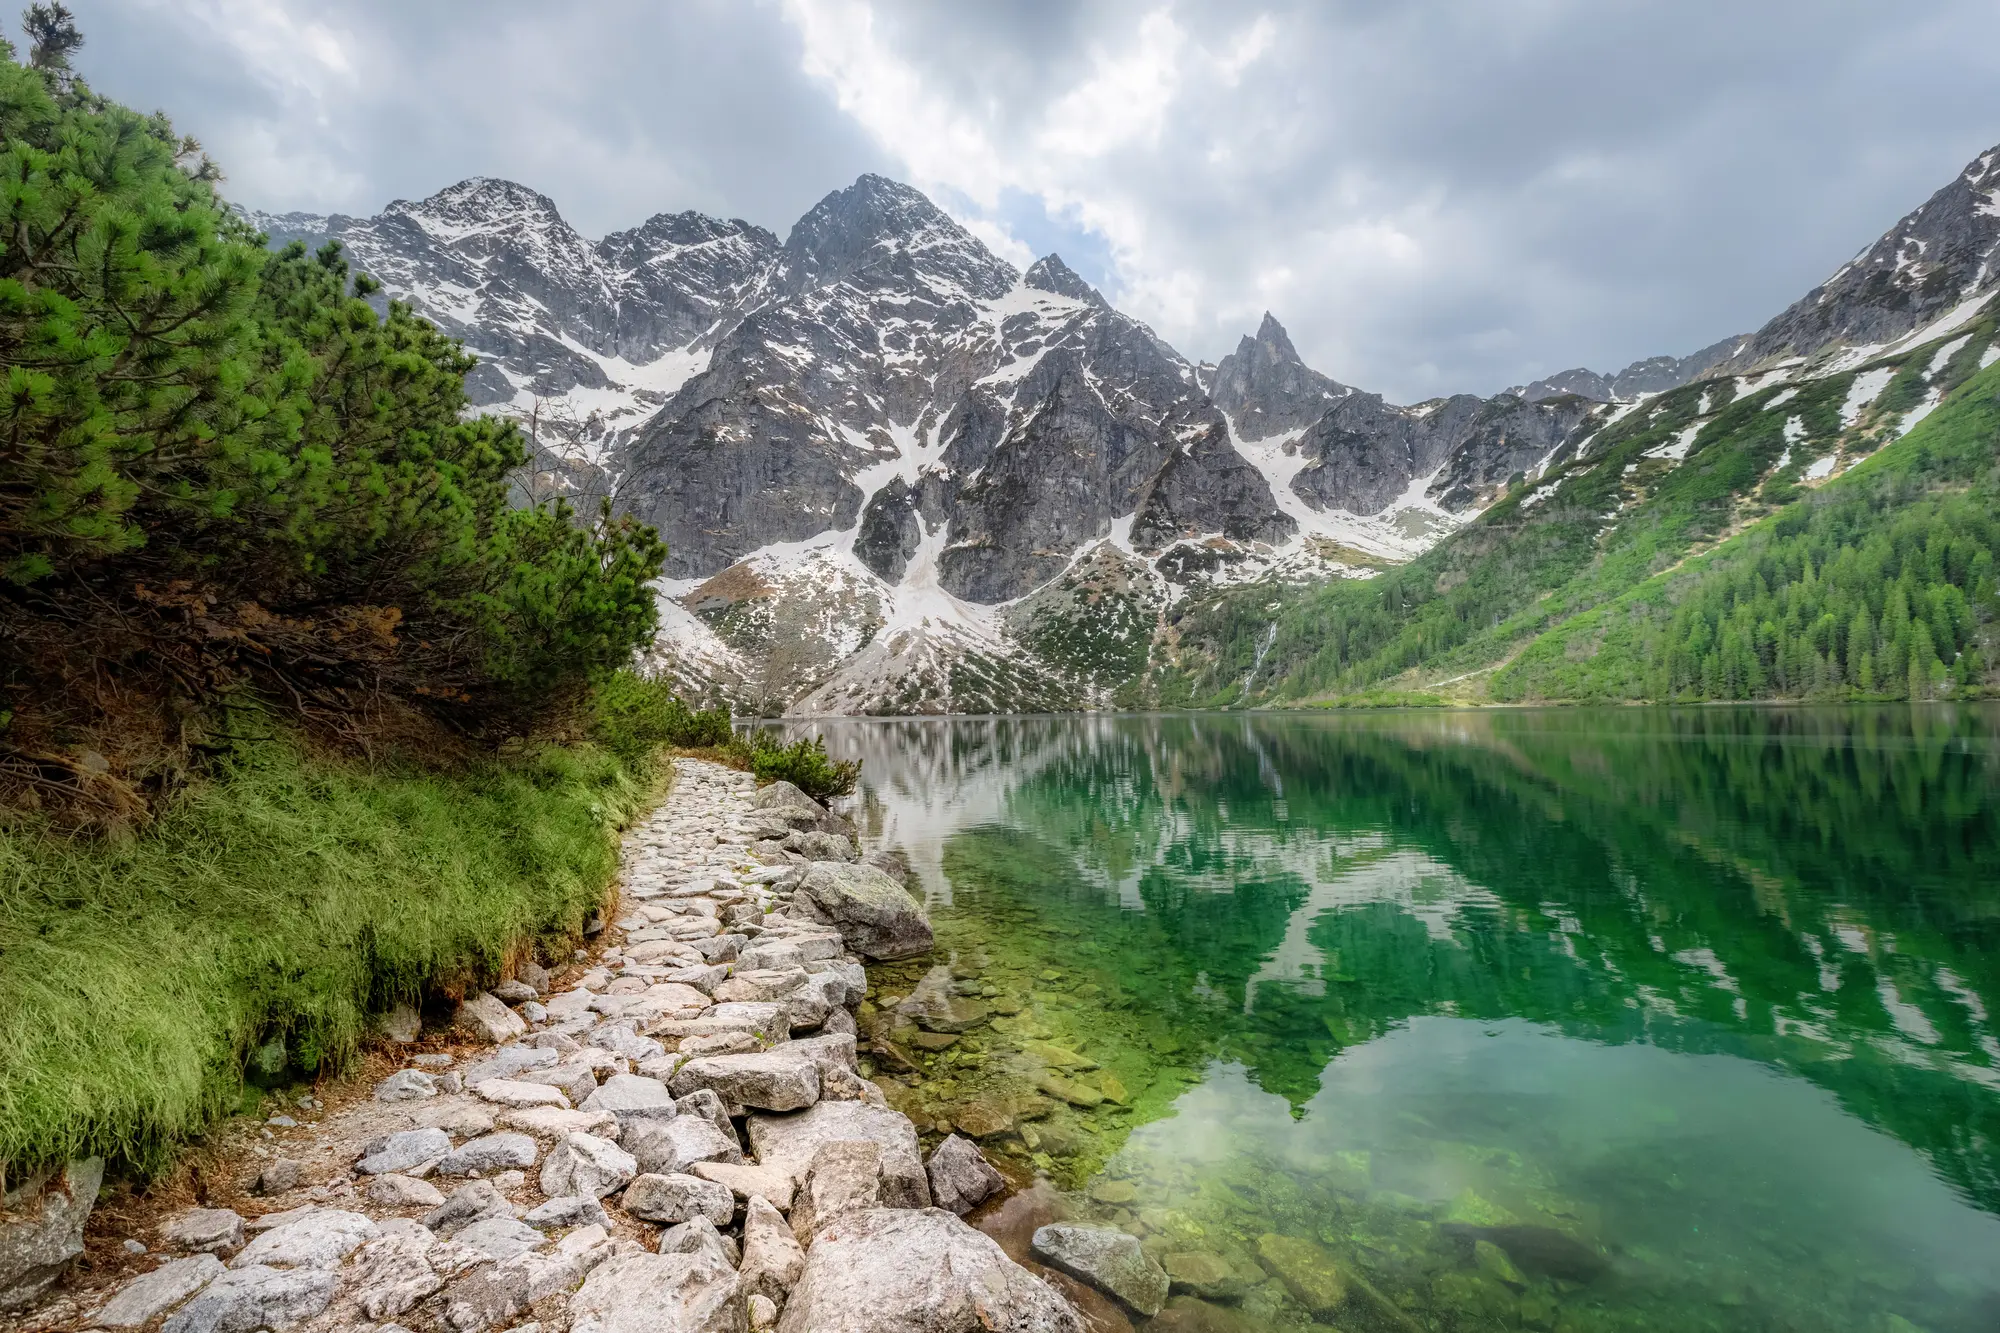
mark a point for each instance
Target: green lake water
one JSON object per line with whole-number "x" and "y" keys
{"x": 1566, "y": 1020}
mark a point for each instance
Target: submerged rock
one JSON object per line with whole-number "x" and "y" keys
{"x": 1107, "y": 1259}
{"x": 1203, "y": 1274}
{"x": 1308, "y": 1270}
{"x": 1537, "y": 1249}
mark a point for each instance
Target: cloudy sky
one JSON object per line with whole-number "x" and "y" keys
{"x": 1433, "y": 195}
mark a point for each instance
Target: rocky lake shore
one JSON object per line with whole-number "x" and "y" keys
{"x": 677, "y": 1129}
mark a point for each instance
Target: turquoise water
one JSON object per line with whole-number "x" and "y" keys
{"x": 1568, "y": 1020}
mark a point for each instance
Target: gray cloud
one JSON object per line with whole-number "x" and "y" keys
{"x": 1433, "y": 195}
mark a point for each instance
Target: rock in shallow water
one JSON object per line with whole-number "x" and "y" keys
{"x": 873, "y": 913}
{"x": 1308, "y": 1270}
{"x": 1107, "y": 1259}
{"x": 960, "y": 1176}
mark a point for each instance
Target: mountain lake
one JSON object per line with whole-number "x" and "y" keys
{"x": 1570, "y": 1019}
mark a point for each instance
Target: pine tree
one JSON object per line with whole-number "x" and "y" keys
{"x": 52, "y": 38}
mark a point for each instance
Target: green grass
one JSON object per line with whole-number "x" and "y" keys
{"x": 287, "y": 898}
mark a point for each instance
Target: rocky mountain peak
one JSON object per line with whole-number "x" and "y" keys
{"x": 480, "y": 204}
{"x": 881, "y": 233}
{"x": 1932, "y": 262}
{"x": 1267, "y": 389}
{"x": 1050, "y": 274}
{"x": 1271, "y": 337}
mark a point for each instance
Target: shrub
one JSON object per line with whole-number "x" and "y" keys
{"x": 805, "y": 764}
{"x": 632, "y": 715}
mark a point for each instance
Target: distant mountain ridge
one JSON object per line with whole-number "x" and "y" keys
{"x": 897, "y": 474}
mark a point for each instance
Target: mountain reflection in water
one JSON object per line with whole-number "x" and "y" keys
{"x": 1567, "y": 1019}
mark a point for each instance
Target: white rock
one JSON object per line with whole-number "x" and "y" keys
{"x": 667, "y": 1146}
{"x": 390, "y": 1274}
{"x": 844, "y": 1179}
{"x": 256, "y": 1297}
{"x": 658, "y": 1293}
{"x": 586, "y": 1164}
{"x": 767, "y": 1081}
{"x": 501, "y": 1237}
{"x": 631, "y": 1097}
{"x": 772, "y": 1258}
{"x": 747, "y": 1182}
{"x": 406, "y": 1085}
{"x": 571, "y": 1210}
{"x": 406, "y": 1151}
{"x": 679, "y": 1198}
{"x": 488, "y": 1019}
{"x": 204, "y": 1231}
{"x": 787, "y": 1143}
{"x": 321, "y": 1239}
{"x": 499, "y": 1291}
{"x": 513, "y": 1093}
{"x": 147, "y": 1297}
{"x": 493, "y": 1152}
{"x": 900, "y": 1270}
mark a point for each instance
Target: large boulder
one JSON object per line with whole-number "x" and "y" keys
{"x": 631, "y": 1098}
{"x": 256, "y": 1297}
{"x": 145, "y": 1298}
{"x": 845, "y": 1178}
{"x": 496, "y": 1292}
{"x": 895, "y": 1270}
{"x": 663, "y": 1147}
{"x": 391, "y": 1274}
{"x": 320, "y": 1239}
{"x": 788, "y": 1143}
{"x": 1107, "y": 1259}
{"x": 41, "y": 1229}
{"x": 679, "y": 1198}
{"x": 766, "y": 1080}
{"x": 875, "y": 915}
{"x": 694, "y": 1292}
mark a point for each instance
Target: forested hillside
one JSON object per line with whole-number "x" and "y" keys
{"x": 1693, "y": 549}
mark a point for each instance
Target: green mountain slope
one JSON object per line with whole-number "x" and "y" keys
{"x": 1684, "y": 552}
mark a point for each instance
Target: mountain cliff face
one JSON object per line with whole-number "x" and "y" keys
{"x": 1939, "y": 264}
{"x": 897, "y": 475}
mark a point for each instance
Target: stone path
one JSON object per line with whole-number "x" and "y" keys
{"x": 669, "y": 1134}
